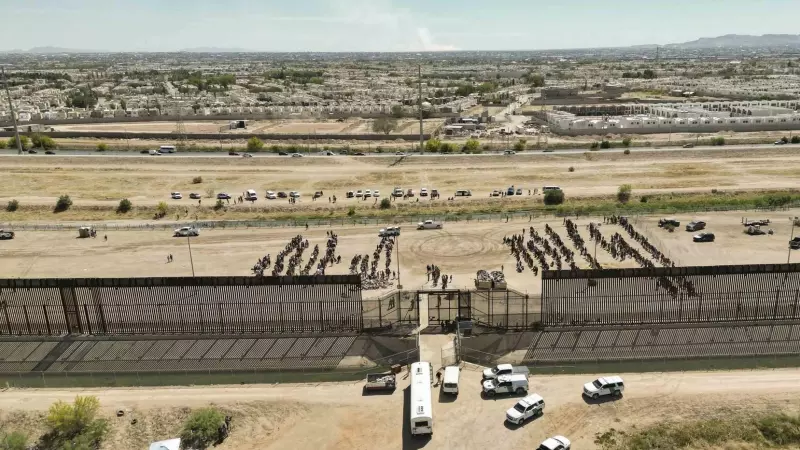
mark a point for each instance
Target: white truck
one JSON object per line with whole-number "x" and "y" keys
{"x": 389, "y": 231}
{"x": 429, "y": 225}
{"x": 604, "y": 386}
{"x": 186, "y": 232}
{"x": 516, "y": 383}
{"x": 504, "y": 369}
{"x": 530, "y": 406}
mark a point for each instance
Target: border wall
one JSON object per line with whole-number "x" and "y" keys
{"x": 186, "y": 305}
{"x": 227, "y": 136}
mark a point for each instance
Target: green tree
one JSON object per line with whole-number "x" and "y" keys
{"x": 161, "y": 209}
{"x": 101, "y": 147}
{"x": 12, "y": 205}
{"x": 520, "y": 145}
{"x": 63, "y": 203}
{"x": 472, "y": 145}
{"x": 15, "y": 440}
{"x": 75, "y": 426}
{"x": 605, "y": 144}
{"x": 624, "y": 193}
{"x": 554, "y": 197}
{"x": 254, "y": 144}
{"x": 124, "y": 206}
{"x": 123, "y": 104}
{"x": 626, "y": 141}
{"x": 384, "y": 125}
{"x": 42, "y": 141}
{"x": 386, "y": 203}
{"x": 24, "y": 140}
{"x": 397, "y": 111}
{"x": 536, "y": 80}
{"x": 433, "y": 145}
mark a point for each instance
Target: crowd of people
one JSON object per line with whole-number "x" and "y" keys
{"x": 294, "y": 249}
{"x": 371, "y": 277}
{"x": 521, "y": 253}
{"x": 435, "y": 274}
{"x": 580, "y": 244}
{"x": 645, "y": 243}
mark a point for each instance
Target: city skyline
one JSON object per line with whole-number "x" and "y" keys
{"x": 381, "y": 25}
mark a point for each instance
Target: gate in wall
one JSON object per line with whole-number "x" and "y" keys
{"x": 445, "y": 305}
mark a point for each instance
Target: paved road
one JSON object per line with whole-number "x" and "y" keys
{"x": 90, "y": 153}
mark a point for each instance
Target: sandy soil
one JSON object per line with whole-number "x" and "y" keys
{"x": 459, "y": 249}
{"x": 147, "y": 180}
{"x": 337, "y": 416}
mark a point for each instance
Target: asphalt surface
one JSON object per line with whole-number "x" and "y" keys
{"x": 135, "y": 154}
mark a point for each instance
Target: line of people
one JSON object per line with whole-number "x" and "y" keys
{"x": 580, "y": 244}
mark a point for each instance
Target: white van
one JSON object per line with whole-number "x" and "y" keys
{"x": 167, "y": 149}
{"x": 450, "y": 383}
{"x": 250, "y": 194}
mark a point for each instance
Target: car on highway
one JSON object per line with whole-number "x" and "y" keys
{"x": 780, "y": 142}
{"x": 194, "y": 195}
{"x": 247, "y": 155}
{"x": 530, "y": 406}
{"x": 688, "y": 145}
{"x": 389, "y": 231}
{"x": 703, "y": 237}
{"x": 223, "y": 196}
{"x": 233, "y": 153}
{"x": 144, "y": 152}
{"x": 32, "y": 152}
{"x": 294, "y": 194}
{"x": 296, "y": 155}
{"x": 154, "y": 153}
{"x": 5, "y": 235}
{"x": 49, "y": 152}
{"x": 555, "y": 443}
{"x": 328, "y": 153}
{"x": 429, "y": 225}
{"x": 186, "y": 232}
{"x": 271, "y": 195}
{"x": 509, "y": 152}
{"x": 604, "y": 386}
{"x": 359, "y": 154}
{"x": 400, "y": 154}
{"x": 695, "y": 225}
{"x": 176, "y": 195}
{"x": 423, "y": 192}
{"x": 283, "y": 154}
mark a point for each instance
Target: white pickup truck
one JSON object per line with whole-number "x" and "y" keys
{"x": 429, "y": 225}
{"x": 186, "y": 231}
{"x": 503, "y": 369}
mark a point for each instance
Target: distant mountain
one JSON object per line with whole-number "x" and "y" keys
{"x": 215, "y": 50}
{"x": 51, "y": 51}
{"x": 741, "y": 40}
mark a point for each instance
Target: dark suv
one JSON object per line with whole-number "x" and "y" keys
{"x": 703, "y": 237}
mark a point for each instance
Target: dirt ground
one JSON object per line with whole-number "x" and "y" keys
{"x": 337, "y": 416}
{"x": 147, "y": 180}
{"x": 459, "y": 249}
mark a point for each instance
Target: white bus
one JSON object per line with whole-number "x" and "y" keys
{"x": 167, "y": 149}
{"x": 420, "y": 400}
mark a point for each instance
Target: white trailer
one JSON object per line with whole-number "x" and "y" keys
{"x": 421, "y": 419}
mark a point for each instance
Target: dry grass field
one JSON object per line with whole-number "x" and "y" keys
{"x": 459, "y": 249}
{"x": 335, "y": 416}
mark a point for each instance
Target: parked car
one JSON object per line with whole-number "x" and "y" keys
{"x": 389, "y": 231}
{"x": 223, "y": 196}
{"x": 400, "y": 154}
{"x": 282, "y": 194}
{"x": 695, "y": 225}
{"x": 604, "y": 386}
{"x": 503, "y": 369}
{"x": 506, "y": 384}
{"x": 496, "y": 193}
{"x": 194, "y": 195}
{"x": 429, "y": 225}
{"x": 328, "y": 153}
{"x": 349, "y": 194}
{"x": 463, "y": 193}
{"x": 186, "y": 232}
{"x": 376, "y": 193}
{"x": 519, "y": 191}
{"x": 367, "y": 193}
{"x": 398, "y": 192}
{"x": 530, "y": 406}
{"x": 270, "y": 195}
{"x": 668, "y": 221}
{"x": 794, "y": 244}
{"x": 359, "y": 193}
{"x": 294, "y": 194}
{"x": 703, "y": 237}
{"x": 423, "y": 192}
{"x": 5, "y": 235}
{"x": 434, "y": 192}
{"x": 555, "y": 443}
{"x": 176, "y": 195}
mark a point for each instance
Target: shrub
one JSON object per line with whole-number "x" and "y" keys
{"x": 784, "y": 139}
{"x": 719, "y": 140}
{"x": 794, "y": 140}
{"x": 14, "y": 441}
{"x": 605, "y": 144}
{"x": 75, "y": 425}
{"x": 627, "y": 151}
{"x": 12, "y": 205}
{"x": 520, "y": 145}
{"x": 254, "y": 144}
{"x": 446, "y": 148}
{"x": 386, "y": 203}
{"x": 594, "y": 145}
{"x": 124, "y": 206}
{"x": 644, "y": 199}
{"x": 432, "y": 145}
{"x": 43, "y": 141}
{"x": 24, "y": 140}
{"x": 472, "y": 145}
{"x": 351, "y": 212}
{"x": 3, "y": 144}
{"x": 63, "y": 203}
{"x": 101, "y": 147}
{"x": 626, "y": 142}
{"x": 624, "y": 193}
{"x": 219, "y": 205}
{"x": 486, "y": 147}
{"x": 714, "y": 191}
{"x": 202, "y": 428}
{"x": 197, "y": 180}
{"x": 378, "y": 149}
{"x": 554, "y": 197}
{"x": 161, "y": 209}
{"x": 571, "y": 169}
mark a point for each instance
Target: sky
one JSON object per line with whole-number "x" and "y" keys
{"x": 382, "y": 25}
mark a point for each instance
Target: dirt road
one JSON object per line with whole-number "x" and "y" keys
{"x": 337, "y": 416}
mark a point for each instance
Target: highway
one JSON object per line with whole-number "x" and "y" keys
{"x": 224, "y": 154}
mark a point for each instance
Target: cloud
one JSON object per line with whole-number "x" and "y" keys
{"x": 428, "y": 44}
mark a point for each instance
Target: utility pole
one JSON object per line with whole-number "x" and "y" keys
{"x": 791, "y": 237}
{"x": 397, "y": 247}
{"x": 191, "y": 260}
{"x": 13, "y": 115}
{"x": 421, "y": 147}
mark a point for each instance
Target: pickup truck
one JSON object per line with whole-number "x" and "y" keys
{"x": 380, "y": 382}
{"x": 429, "y": 225}
{"x": 794, "y": 244}
{"x": 503, "y": 369}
